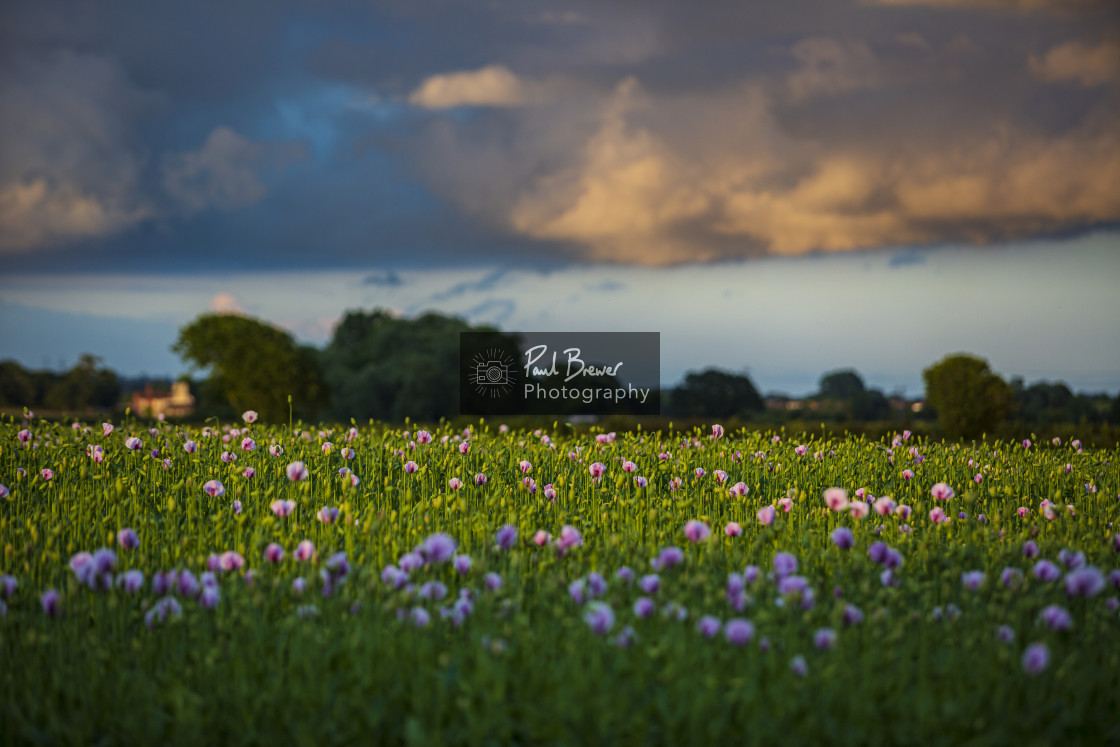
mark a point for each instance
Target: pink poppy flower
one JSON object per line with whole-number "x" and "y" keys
{"x": 524, "y": 466}
{"x": 131, "y": 581}
{"x": 597, "y": 469}
{"x": 454, "y": 483}
{"x": 1036, "y": 658}
{"x": 282, "y": 508}
{"x": 732, "y": 529}
{"x": 296, "y": 471}
{"x": 248, "y": 444}
{"x": 305, "y": 550}
{"x": 423, "y": 437}
{"x": 437, "y": 548}
{"x": 766, "y": 516}
{"x": 327, "y": 515}
{"x": 937, "y": 515}
{"x": 128, "y": 539}
{"x": 907, "y": 474}
{"x": 569, "y": 538}
{"x": 717, "y": 431}
{"x": 739, "y": 489}
{"x": 738, "y": 631}
{"x": 51, "y": 602}
{"x": 249, "y": 416}
{"x": 941, "y": 491}
{"x": 506, "y": 537}
{"x": 884, "y": 505}
{"x": 231, "y": 560}
{"x": 273, "y": 553}
{"x": 858, "y": 509}
{"x": 836, "y": 499}
{"x": 842, "y": 538}
{"x": 214, "y": 488}
{"x": 410, "y": 467}
{"x": 462, "y": 564}
{"x": 696, "y": 531}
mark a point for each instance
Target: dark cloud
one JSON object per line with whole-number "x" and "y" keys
{"x": 394, "y": 135}
{"x": 385, "y": 279}
{"x": 907, "y": 259}
{"x": 486, "y": 283}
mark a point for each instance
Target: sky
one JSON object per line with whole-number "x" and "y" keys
{"x": 778, "y": 188}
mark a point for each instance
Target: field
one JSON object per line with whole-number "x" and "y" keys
{"x": 310, "y": 585}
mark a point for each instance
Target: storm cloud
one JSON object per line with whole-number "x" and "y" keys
{"x": 387, "y": 135}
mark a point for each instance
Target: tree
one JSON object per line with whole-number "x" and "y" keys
{"x": 84, "y": 386}
{"x": 386, "y": 367}
{"x": 715, "y": 394}
{"x": 871, "y": 404}
{"x": 844, "y": 384}
{"x": 255, "y": 364}
{"x": 16, "y": 385}
{"x": 969, "y": 398}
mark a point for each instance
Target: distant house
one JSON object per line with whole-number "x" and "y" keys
{"x": 176, "y": 403}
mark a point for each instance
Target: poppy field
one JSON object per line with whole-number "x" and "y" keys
{"x": 243, "y": 583}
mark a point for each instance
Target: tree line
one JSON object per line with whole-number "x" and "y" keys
{"x": 384, "y": 367}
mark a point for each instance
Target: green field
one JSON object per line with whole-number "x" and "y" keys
{"x": 574, "y": 621}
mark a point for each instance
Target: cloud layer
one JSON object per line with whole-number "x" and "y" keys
{"x": 380, "y": 135}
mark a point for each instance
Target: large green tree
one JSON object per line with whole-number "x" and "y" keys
{"x": 715, "y": 394}
{"x": 842, "y": 384}
{"x": 969, "y": 398}
{"x": 86, "y": 385}
{"x": 382, "y": 366}
{"x": 255, "y": 364}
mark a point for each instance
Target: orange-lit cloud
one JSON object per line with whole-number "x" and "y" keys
{"x": 226, "y": 303}
{"x": 1076, "y": 62}
{"x": 663, "y": 179}
{"x": 489, "y": 86}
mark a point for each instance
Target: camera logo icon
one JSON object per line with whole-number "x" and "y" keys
{"x": 492, "y": 374}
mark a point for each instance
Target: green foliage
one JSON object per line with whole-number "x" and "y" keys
{"x": 712, "y": 393}
{"x": 844, "y": 395}
{"x": 390, "y": 368}
{"x": 969, "y": 398}
{"x": 256, "y": 365}
{"x": 17, "y": 387}
{"x": 845, "y": 384}
{"x": 271, "y": 665}
{"x": 86, "y": 386}
{"x": 1048, "y": 403}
